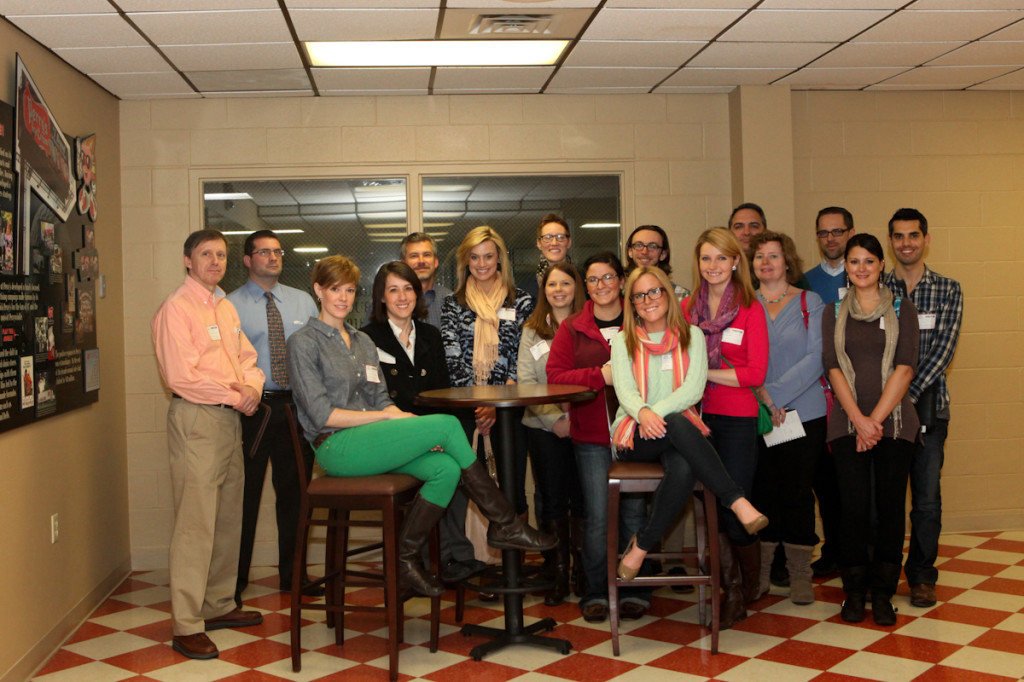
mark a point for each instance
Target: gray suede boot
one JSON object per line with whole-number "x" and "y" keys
{"x": 764, "y": 584}
{"x": 798, "y": 561}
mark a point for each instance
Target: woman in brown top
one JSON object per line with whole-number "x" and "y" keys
{"x": 869, "y": 350}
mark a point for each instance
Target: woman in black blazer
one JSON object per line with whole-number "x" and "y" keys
{"x": 398, "y": 332}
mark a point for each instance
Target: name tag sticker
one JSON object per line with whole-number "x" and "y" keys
{"x": 540, "y": 349}
{"x": 842, "y": 293}
{"x": 372, "y": 375}
{"x": 666, "y": 362}
{"x": 507, "y": 314}
{"x": 214, "y": 332}
{"x": 881, "y": 322}
{"x": 732, "y": 335}
{"x": 609, "y": 333}
{"x": 385, "y": 356}
{"x": 926, "y": 320}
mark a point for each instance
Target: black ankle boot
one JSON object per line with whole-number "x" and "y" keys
{"x": 854, "y": 586}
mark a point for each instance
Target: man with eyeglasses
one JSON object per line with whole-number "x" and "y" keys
{"x": 553, "y": 242}
{"x": 648, "y": 245}
{"x": 834, "y": 227}
{"x": 269, "y": 312}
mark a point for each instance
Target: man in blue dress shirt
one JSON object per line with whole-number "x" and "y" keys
{"x": 269, "y": 312}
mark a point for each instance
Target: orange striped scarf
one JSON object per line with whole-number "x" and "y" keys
{"x": 623, "y": 436}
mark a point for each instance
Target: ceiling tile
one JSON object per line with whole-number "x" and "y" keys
{"x": 764, "y": 55}
{"x": 682, "y": 4}
{"x": 839, "y": 77}
{"x": 372, "y": 79}
{"x": 1011, "y": 81}
{"x": 884, "y": 54}
{"x": 631, "y": 53}
{"x": 957, "y": 76}
{"x": 691, "y": 76}
{"x": 129, "y": 85}
{"x": 659, "y": 24}
{"x": 226, "y": 57}
{"x": 193, "y": 5}
{"x": 831, "y": 26}
{"x": 212, "y": 28}
{"x": 574, "y": 77}
{"x": 81, "y": 30}
{"x": 529, "y": 79}
{"x": 114, "y": 59}
{"x": 1014, "y": 32}
{"x": 365, "y": 24}
{"x": 984, "y": 53}
{"x": 938, "y": 26}
{"x": 521, "y": 7}
{"x": 959, "y": 4}
{"x": 596, "y": 91}
{"x": 308, "y": 92}
{"x": 359, "y": 4}
{"x": 11, "y": 8}
{"x": 833, "y": 4}
{"x": 695, "y": 89}
{"x": 252, "y": 80}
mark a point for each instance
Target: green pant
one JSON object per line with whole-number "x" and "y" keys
{"x": 403, "y": 446}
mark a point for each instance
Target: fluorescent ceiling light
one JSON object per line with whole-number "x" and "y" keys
{"x": 377, "y": 215}
{"x": 586, "y": 226}
{"x": 233, "y": 233}
{"x": 438, "y": 224}
{"x": 310, "y": 249}
{"x": 227, "y": 196}
{"x": 386, "y": 226}
{"x": 443, "y": 214}
{"x": 436, "y": 52}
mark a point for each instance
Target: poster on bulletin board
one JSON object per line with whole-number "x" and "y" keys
{"x": 49, "y": 262}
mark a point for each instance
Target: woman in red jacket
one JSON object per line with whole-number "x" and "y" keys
{"x": 726, "y": 309}
{"x": 581, "y": 354}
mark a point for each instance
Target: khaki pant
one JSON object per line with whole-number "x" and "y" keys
{"x": 207, "y": 478}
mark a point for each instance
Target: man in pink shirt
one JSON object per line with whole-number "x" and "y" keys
{"x": 210, "y": 367}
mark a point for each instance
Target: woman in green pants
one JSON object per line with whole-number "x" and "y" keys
{"x": 356, "y": 430}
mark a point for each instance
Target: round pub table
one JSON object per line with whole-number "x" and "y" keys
{"x": 504, "y": 399}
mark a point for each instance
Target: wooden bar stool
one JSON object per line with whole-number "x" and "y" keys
{"x": 642, "y": 477}
{"x": 341, "y": 495}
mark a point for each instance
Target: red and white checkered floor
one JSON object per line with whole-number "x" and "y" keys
{"x": 975, "y": 633}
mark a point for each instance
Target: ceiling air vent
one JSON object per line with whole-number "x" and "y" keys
{"x": 516, "y": 24}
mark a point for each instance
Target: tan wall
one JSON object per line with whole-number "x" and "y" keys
{"x": 673, "y": 153}
{"x": 73, "y": 464}
{"x": 958, "y": 157}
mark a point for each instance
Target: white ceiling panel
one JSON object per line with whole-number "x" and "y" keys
{"x": 1011, "y": 81}
{"x": 659, "y": 24}
{"x": 691, "y": 77}
{"x": 359, "y": 4}
{"x": 228, "y": 57}
{"x": 949, "y": 75}
{"x": 840, "y": 78}
{"x": 631, "y": 53}
{"x": 114, "y": 59}
{"x": 884, "y": 54}
{"x": 574, "y": 77}
{"x": 832, "y": 4}
{"x": 983, "y": 53}
{"x": 960, "y": 4}
{"x": 830, "y": 26}
{"x": 588, "y": 90}
{"x": 766, "y": 55}
{"x": 212, "y": 28}
{"x": 505, "y": 78}
{"x": 193, "y": 5}
{"x": 12, "y": 8}
{"x": 254, "y": 80}
{"x": 1012, "y": 32}
{"x": 682, "y": 4}
{"x": 365, "y": 24}
{"x": 80, "y": 30}
{"x": 937, "y": 26}
{"x": 522, "y": 6}
{"x": 138, "y": 85}
{"x": 372, "y": 79}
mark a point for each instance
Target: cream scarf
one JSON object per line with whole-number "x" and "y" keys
{"x": 850, "y": 307}
{"x": 485, "y": 332}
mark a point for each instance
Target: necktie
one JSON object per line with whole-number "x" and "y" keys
{"x": 275, "y": 335}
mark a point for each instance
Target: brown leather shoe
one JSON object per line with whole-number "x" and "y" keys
{"x": 595, "y": 612}
{"x": 234, "y": 619}
{"x": 195, "y": 646}
{"x": 922, "y": 595}
{"x": 630, "y": 610}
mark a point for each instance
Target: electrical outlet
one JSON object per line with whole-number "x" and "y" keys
{"x": 54, "y": 528}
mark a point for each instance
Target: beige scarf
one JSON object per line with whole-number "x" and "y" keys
{"x": 850, "y": 307}
{"x": 485, "y": 332}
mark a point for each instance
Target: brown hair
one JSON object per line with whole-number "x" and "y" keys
{"x": 335, "y": 270}
{"x": 674, "y": 317}
{"x": 379, "y": 311}
{"x": 553, "y": 218}
{"x": 794, "y": 264}
{"x": 541, "y": 321}
{"x": 725, "y": 241}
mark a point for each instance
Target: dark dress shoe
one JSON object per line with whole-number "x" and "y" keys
{"x": 853, "y": 607}
{"x": 824, "y": 568}
{"x": 922, "y": 595}
{"x": 681, "y": 589}
{"x": 882, "y": 610}
{"x": 595, "y": 612}
{"x": 234, "y": 619}
{"x": 197, "y": 646}
{"x": 457, "y": 571}
{"x": 630, "y": 610}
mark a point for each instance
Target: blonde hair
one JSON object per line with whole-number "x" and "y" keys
{"x": 542, "y": 321}
{"x": 473, "y": 239}
{"x": 674, "y": 318}
{"x": 725, "y": 241}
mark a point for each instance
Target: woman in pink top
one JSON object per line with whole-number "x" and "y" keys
{"x": 725, "y": 307}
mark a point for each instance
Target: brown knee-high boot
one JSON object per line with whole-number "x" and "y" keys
{"x": 734, "y": 607}
{"x": 507, "y": 531}
{"x": 420, "y": 519}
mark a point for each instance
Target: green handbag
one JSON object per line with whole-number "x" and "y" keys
{"x": 764, "y": 415}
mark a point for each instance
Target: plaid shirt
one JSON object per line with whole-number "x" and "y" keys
{"x": 941, "y": 296}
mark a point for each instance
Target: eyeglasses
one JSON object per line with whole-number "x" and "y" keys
{"x": 838, "y": 232}
{"x": 548, "y": 238}
{"x": 263, "y": 253}
{"x": 607, "y": 279}
{"x": 651, "y": 246}
{"x": 652, "y": 294}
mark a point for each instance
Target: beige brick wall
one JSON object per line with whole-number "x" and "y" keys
{"x": 672, "y": 150}
{"x": 959, "y": 158}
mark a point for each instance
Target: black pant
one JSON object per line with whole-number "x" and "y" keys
{"x": 735, "y": 440}
{"x": 826, "y": 490}
{"x": 685, "y": 454}
{"x": 783, "y": 486}
{"x": 276, "y": 448}
{"x": 558, "y": 480}
{"x": 890, "y": 460}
